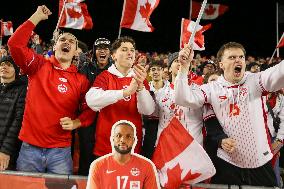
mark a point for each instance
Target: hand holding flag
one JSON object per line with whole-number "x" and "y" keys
{"x": 185, "y": 57}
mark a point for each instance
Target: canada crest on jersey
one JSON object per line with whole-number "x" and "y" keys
{"x": 135, "y": 171}
{"x": 62, "y": 88}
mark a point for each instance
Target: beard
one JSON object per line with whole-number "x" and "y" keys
{"x": 127, "y": 151}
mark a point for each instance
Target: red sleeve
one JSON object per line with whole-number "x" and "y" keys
{"x": 151, "y": 178}
{"x": 93, "y": 179}
{"x": 146, "y": 84}
{"x": 23, "y": 56}
{"x": 87, "y": 115}
{"x": 101, "y": 81}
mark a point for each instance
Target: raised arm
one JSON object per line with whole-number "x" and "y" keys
{"x": 23, "y": 56}
{"x": 186, "y": 93}
{"x": 272, "y": 79}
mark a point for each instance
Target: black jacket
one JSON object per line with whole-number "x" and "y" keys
{"x": 12, "y": 102}
{"x": 91, "y": 70}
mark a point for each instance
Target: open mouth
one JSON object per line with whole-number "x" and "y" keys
{"x": 102, "y": 56}
{"x": 238, "y": 70}
{"x": 65, "y": 48}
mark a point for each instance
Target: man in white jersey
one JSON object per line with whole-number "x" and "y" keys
{"x": 236, "y": 98}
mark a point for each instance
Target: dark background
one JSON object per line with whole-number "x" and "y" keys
{"x": 250, "y": 22}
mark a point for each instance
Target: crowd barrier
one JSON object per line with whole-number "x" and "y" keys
{"x": 26, "y": 180}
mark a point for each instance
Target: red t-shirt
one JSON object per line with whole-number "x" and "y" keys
{"x": 107, "y": 173}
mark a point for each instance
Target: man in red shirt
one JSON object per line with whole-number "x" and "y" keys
{"x": 119, "y": 94}
{"x": 55, "y": 95}
{"x": 122, "y": 168}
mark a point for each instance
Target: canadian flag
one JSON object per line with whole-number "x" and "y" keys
{"x": 281, "y": 42}
{"x": 180, "y": 161}
{"x": 75, "y": 15}
{"x": 136, "y": 14}
{"x": 211, "y": 11}
{"x": 6, "y": 28}
{"x": 187, "y": 27}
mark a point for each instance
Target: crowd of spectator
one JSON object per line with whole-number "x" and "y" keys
{"x": 50, "y": 92}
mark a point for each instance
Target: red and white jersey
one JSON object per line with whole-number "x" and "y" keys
{"x": 107, "y": 173}
{"x": 240, "y": 110}
{"x": 106, "y": 96}
{"x": 190, "y": 118}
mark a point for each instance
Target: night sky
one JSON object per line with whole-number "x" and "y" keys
{"x": 250, "y": 22}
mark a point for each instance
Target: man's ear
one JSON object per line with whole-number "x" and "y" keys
{"x": 53, "y": 47}
{"x": 113, "y": 56}
{"x": 221, "y": 65}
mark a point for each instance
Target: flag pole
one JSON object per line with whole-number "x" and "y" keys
{"x": 55, "y": 32}
{"x": 60, "y": 16}
{"x": 123, "y": 9}
{"x": 1, "y": 33}
{"x": 277, "y": 29}
{"x": 191, "y": 39}
{"x": 270, "y": 61}
{"x": 190, "y": 9}
{"x": 119, "y": 32}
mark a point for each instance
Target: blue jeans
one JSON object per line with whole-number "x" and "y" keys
{"x": 45, "y": 160}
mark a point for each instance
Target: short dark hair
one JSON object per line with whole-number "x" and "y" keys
{"x": 158, "y": 63}
{"x": 229, "y": 46}
{"x": 83, "y": 46}
{"x": 117, "y": 43}
{"x": 206, "y": 77}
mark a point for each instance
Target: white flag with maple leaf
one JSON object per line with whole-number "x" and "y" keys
{"x": 75, "y": 15}
{"x": 180, "y": 161}
{"x": 6, "y": 28}
{"x": 211, "y": 11}
{"x": 187, "y": 27}
{"x": 136, "y": 14}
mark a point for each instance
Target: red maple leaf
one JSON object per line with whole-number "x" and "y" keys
{"x": 73, "y": 13}
{"x": 210, "y": 10}
{"x": 145, "y": 10}
{"x": 174, "y": 177}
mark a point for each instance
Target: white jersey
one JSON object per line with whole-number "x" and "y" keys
{"x": 191, "y": 119}
{"x": 240, "y": 111}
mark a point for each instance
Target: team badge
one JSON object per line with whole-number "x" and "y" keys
{"x": 135, "y": 171}
{"x": 62, "y": 88}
